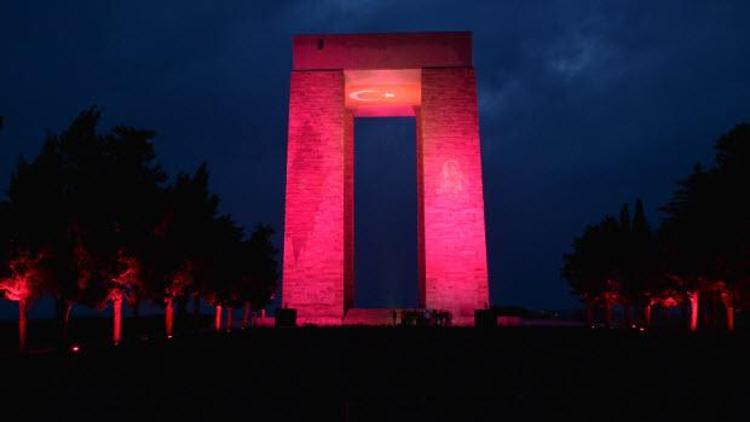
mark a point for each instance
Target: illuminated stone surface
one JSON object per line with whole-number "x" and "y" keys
{"x": 339, "y": 77}
{"x": 453, "y": 202}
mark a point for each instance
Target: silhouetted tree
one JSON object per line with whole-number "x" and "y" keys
{"x": 23, "y": 281}
{"x": 90, "y": 221}
{"x": 182, "y": 250}
{"x": 88, "y": 201}
{"x": 131, "y": 200}
{"x": 259, "y": 284}
{"x": 703, "y": 236}
{"x": 688, "y": 237}
{"x": 52, "y": 199}
{"x": 701, "y": 252}
{"x": 732, "y": 174}
{"x": 638, "y": 263}
{"x": 592, "y": 267}
{"x": 707, "y": 227}
{"x": 229, "y": 266}
{"x": 612, "y": 263}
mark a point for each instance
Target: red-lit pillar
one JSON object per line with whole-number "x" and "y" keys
{"x": 726, "y": 299}
{"x": 117, "y": 319}
{"x": 647, "y": 312}
{"x": 217, "y": 319}
{"x": 22, "y": 321}
{"x": 169, "y": 316}
{"x": 452, "y": 199}
{"x": 316, "y": 224}
{"x": 693, "y": 297}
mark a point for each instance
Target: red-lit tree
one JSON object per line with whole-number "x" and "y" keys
{"x": 592, "y": 267}
{"x": 131, "y": 202}
{"x": 29, "y": 244}
{"x": 88, "y": 200}
{"x": 226, "y": 266}
{"x": 700, "y": 255}
{"x": 36, "y": 188}
{"x": 117, "y": 235}
{"x": 707, "y": 230}
{"x": 688, "y": 239}
{"x": 167, "y": 277}
{"x": 180, "y": 252}
{"x": 209, "y": 256}
{"x": 638, "y": 264}
{"x": 25, "y": 279}
{"x": 732, "y": 173}
{"x": 124, "y": 284}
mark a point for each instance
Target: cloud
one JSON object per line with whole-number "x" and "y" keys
{"x": 494, "y": 99}
{"x": 576, "y": 57}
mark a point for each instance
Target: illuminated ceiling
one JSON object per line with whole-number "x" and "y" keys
{"x": 383, "y": 93}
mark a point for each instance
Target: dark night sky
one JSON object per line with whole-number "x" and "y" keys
{"x": 583, "y": 105}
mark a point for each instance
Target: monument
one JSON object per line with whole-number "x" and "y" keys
{"x": 337, "y": 78}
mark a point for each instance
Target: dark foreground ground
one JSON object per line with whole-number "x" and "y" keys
{"x": 554, "y": 374}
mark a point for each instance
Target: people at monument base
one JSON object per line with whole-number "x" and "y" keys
{"x": 424, "y": 318}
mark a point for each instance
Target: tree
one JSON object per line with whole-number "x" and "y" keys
{"x": 242, "y": 273}
{"x": 180, "y": 252}
{"x": 227, "y": 266}
{"x": 60, "y": 179}
{"x": 688, "y": 238}
{"x": 732, "y": 177}
{"x": 90, "y": 221}
{"x": 130, "y": 195}
{"x": 591, "y": 268}
{"x": 624, "y": 262}
{"x": 612, "y": 263}
{"x": 259, "y": 285}
{"x": 638, "y": 264}
{"x": 24, "y": 282}
{"x": 707, "y": 227}
{"x": 35, "y": 212}
{"x": 104, "y": 190}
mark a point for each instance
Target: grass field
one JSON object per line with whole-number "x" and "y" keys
{"x": 386, "y": 374}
